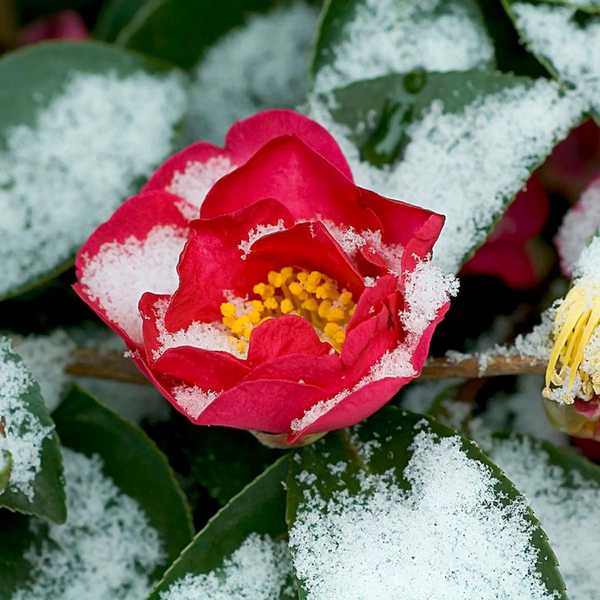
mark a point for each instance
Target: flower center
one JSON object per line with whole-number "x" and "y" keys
{"x": 313, "y": 296}
{"x": 574, "y": 366}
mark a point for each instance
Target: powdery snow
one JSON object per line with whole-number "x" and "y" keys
{"x": 46, "y": 357}
{"x": 106, "y": 550}
{"x": 389, "y": 542}
{"x": 120, "y": 273}
{"x": 208, "y": 336}
{"x": 467, "y": 165}
{"x": 387, "y": 36}
{"x": 258, "y": 232}
{"x": 22, "y": 434}
{"x": 563, "y": 506}
{"x": 580, "y": 224}
{"x": 572, "y": 49}
{"x": 195, "y": 181}
{"x": 257, "y": 570}
{"x": 112, "y": 131}
{"x": 263, "y": 64}
{"x": 587, "y": 267}
{"x": 193, "y": 400}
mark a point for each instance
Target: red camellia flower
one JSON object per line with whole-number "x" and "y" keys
{"x": 507, "y": 254}
{"x": 259, "y": 288}
{"x": 64, "y": 25}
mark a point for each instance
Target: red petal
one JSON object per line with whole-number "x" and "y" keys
{"x": 507, "y": 261}
{"x": 309, "y": 246}
{"x": 135, "y": 219}
{"x": 278, "y": 337}
{"x": 268, "y": 406}
{"x": 415, "y": 229}
{"x": 303, "y": 181}
{"x": 246, "y": 137}
{"x": 366, "y": 400}
{"x": 211, "y": 263}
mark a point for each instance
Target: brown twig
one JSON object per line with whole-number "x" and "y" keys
{"x": 88, "y": 362}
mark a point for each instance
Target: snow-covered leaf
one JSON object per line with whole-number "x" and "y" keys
{"x": 28, "y": 444}
{"x": 566, "y": 39}
{"x": 242, "y": 552}
{"x": 5, "y": 469}
{"x": 404, "y": 507}
{"x": 360, "y": 39}
{"x": 81, "y": 125}
{"x": 179, "y": 31}
{"x": 461, "y": 143}
{"x": 132, "y": 461}
{"x": 267, "y": 62}
{"x": 563, "y": 489}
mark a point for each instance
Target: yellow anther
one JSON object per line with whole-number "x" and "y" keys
{"x": 286, "y": 306}
{"x": 313, "y": 295}
{"x": 275, "y": 279}
{"x": 336, "y": 314}
{"x": 324, "y": 309}
{"x": 228, "y": 309}
{"x": 286, "y": 274}
{"x": 296, "y": 288}
{"x": 271, "y": 304}
{"x": 311, "y": 305}
{"x": 345, "y": 297}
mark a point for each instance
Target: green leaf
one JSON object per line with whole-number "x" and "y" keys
{"x": 5, "y": 469}
{"x": 31, "y": 81}
{"x": 201, "y": 456}
{"x": 131, "y": 460}
{"x": 352, "y": 44}
{"x": 27, "y": 426}
{"x": 179, "y": 31}
{"x": 115, "y": 15}
{"x": 565, "y": 39}
{"x": 258, "y": 509}
{"x": 563, "y": 489}
{"x": 434, "y": 129}
{"x": 383, "y": 447}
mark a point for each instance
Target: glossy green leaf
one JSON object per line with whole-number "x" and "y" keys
{"x": 179, "y": 31}
{"x": 131, "y": 460}
{"x": 30, "y": 79}
{"x": 201, "y": 456}
{"x": 381, "y": 118}
{"x": 258, "y": 509}
{"x": 351, "y": 31}
{"x": 565, "y": 38}
{"x": 5, "y": 469}
{"x": 383, "y": 445}
{"x": 48, "y": 498}
{"x": 115, "y": 16}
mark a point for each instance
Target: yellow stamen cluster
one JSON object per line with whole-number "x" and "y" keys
{"x": 311, "y": 295}
{"x": 576, "y": 321}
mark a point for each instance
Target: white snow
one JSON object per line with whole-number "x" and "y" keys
{"x": 468, "y": 165}
{"x": 258, "y": 232}
{"x": 208, "y": 336}
{"x": 387, "y": 36}
{"x": 563, "y": 507}
{"x": 107, "y": 550}
{"x": 263, "y": 64}
{"x": 580, "y": 224}
{"x": 21, "y": 432}
{"x": 573, "y": 50}
{"x": 46, "y": 357}
{"x": 388, "y": 542}
{"x": 587, "y": 267}
{"x": 196, "y": 180}
{"x": 64, "y": 175}
{"x": 193, "y": 400}
{"x": 257, "y": 570}
{"x": 119, "y": 274}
